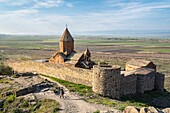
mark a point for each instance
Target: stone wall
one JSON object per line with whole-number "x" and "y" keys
{"x": 159, "y": 81}
{"x": 145, "y": 80}
{"x": 128, "y": 84}
{"x": 106, "y": 81}
{"x": 72, "y": 74}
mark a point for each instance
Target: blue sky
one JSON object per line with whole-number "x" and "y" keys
{"x": 51, "y": 16}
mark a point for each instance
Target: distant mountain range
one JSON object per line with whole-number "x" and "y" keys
{"x": 130, "y": 33}
{"x": 114, "y": 33}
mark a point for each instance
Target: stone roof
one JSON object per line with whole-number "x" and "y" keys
{"x": 144, "y": 71}
{"x": 140, "y": 71}
{"x": 66, "y": 36}
{"x": 138, "y": 62}
{"x": 60, "y": 54}
{"x": 74, "y": 56}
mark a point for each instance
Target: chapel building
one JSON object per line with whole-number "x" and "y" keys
{"x": 67, "y": 55}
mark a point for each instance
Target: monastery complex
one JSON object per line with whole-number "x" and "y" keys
{"x": 138, "y": 77}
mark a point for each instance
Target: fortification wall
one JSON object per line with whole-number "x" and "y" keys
{"x": 106, "y": 81}
{"x": 72, "y": 74}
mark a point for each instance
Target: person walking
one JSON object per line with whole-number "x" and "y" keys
{"x": 61, "y": 93}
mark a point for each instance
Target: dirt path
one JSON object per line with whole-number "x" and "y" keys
{"x": 73, "y": 104}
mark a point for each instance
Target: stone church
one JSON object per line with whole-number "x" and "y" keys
{"x": 67, "y": 55}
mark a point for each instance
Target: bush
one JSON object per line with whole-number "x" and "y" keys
{"x": 25, "y": 104}
{"x": 10, "y": 98}
{"x": 55, "y": 110}
{"x": 15, "y": 76}
{"x": 97, "y": 111}
{"x": 5, "y": 70}
{"x": 16, "y": 110}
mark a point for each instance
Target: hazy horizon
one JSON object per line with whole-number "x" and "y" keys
{"x": 114, "y": 33}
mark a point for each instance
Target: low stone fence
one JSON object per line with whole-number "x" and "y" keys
{"x": 72, "y": 74}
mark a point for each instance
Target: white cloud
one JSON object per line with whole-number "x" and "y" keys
{"x": 48, "y": 3}
{"x": 15, "y": 2}
{"x": 139, "y": 6}
{"x": 18, "y": 13}
{"x": 34, "y": 3}
{"x": 30, "y": 21}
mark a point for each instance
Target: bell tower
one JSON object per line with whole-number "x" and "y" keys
{"x": 66, "y": 43}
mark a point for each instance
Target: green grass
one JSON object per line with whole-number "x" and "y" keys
{"x": 156, "y": 50}
{"x": 81, "y": 89}
{"x": 115, "y": 103}
{"x": 4, "y": 80}
{"x": 49, "y": 106}
{"x": 10, "y": 99}
{"x": 97, "y": 111}
{"x": 25, "y": 42}
{"x": 138, "y": 101}
{"x": 144, "y": 43}
{"x": 18, "y": 105}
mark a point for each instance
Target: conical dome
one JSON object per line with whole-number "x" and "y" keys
{"x": 66, "y": 36}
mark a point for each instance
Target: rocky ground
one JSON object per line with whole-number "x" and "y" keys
{"x": 71, "y": 104}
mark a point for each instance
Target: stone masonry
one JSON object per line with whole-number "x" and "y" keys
{"x": 108, "y": 81}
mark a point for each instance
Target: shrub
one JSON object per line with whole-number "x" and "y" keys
{"x": 5, "y": 70}
{"x": 16, "y": 110}
{"x": 15, "y": 76}
{"x": 55, "y": 110}
{"x": 10, "y": 98}
{"x": 25, "y": 104}
{"x": 97, "y": 111}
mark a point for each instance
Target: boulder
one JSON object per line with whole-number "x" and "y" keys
{"x": 166, "y": 110}
{"x": 149, "y": 110}
{"x": 143, "y": 110}
{"x": 130, "y": 109}
{"x": 152, "y": 110}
